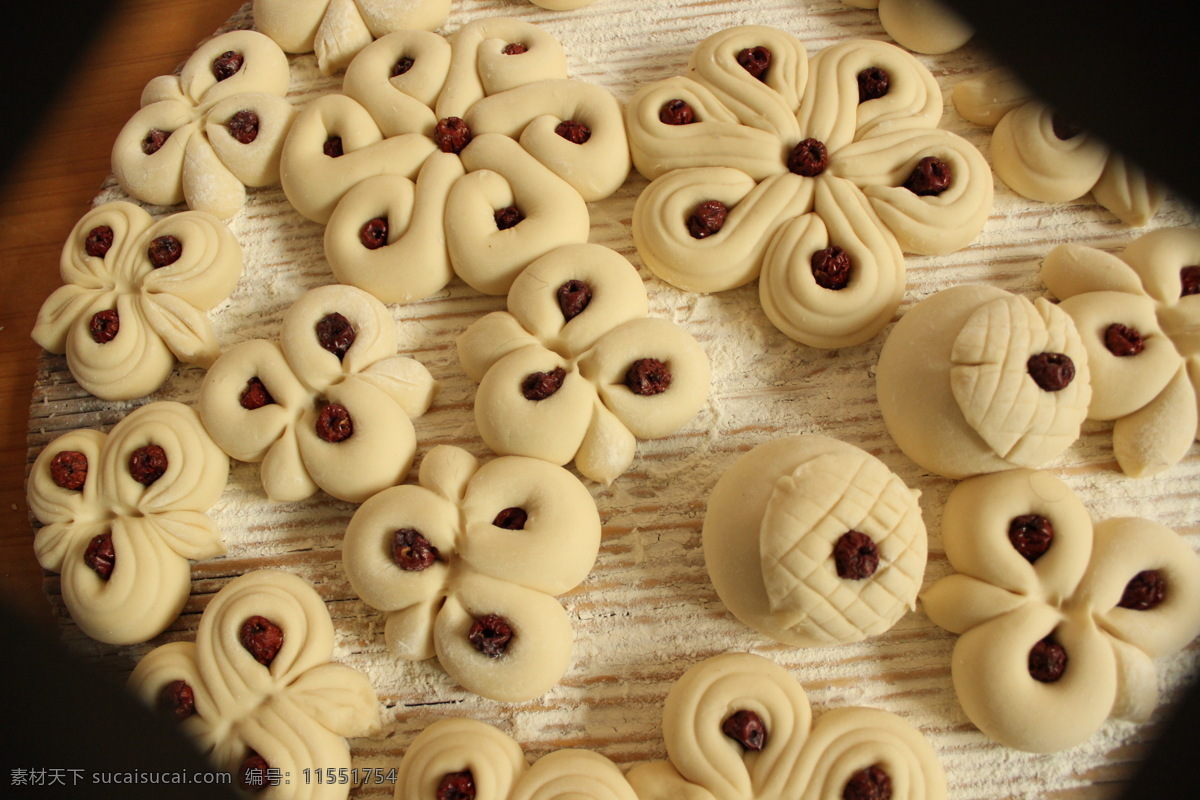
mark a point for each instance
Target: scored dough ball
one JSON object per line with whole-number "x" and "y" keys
{"x": 814, "y": 542}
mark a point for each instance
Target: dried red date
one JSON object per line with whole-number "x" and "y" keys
{"x": 164, "y": 251}
{"x": 98, "y": 241}
{"x": 756, "y": 61}
{"x": 514, "y": 49}
{"x": 1052, "y": 372}
{"x": 540, "y": 385}
{"x": 147, "y": 464}
{"x": 1189, "y": 280}
{"x": 648, "y": 376}
{"x": 855, "y": 556}
{"x": 100, "y": 555}
{"x": 511, "y": 519}
{"x": 403, "y": 65}
{"x": 708, "y": 218}
{"x": 1064, "y": 128}
{"x": 873, "y": 83}
{"x": 335, "y": 334}
{"x": 508, "y": 217}
{"x": 871, "y": 783}
{"x": 1122, "y": 340}
{"x": 676, "y": 112}
{"x": 69, "y": 469}
{"x": 1047, "y": 660}
{"x": 809, "y": 158}
{"x": 227, "y": 65}
{"x": 334, "y": 424}
{"x": 1145, "y": 591}
{"x": 104, "y": 326}
{"x": 253, "y": 774}
{"x": 456, "y": 786}
{"x": 262, "y": 639}
{"x": 154, "y": 141}
{"x": 490, "y": 635}
{"x": 1031, "y": 535}
{"x": 177, "y": 700}
{"x": 573, "y": 298}
{"x": 451, "y": 135}
{"x": 831, "y": 268}
{"x": 411, "y": 551}
{"x": 333, "y": 147}
{"x": 929, "y": 178}
{"x": 255, "y": 395}
{"x": 747, "y": 729}
{"x": 243, "y": 126}
{"x": 572, "y": 131}
{"x": 374, "y": 233}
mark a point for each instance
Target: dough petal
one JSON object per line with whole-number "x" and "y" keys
{"x": 493, "y": 758}
{"x": 1035, "y": 163}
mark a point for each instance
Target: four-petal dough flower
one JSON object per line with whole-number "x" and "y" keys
{"x": 292, "y": 712}
{"x": 201, "y": 161}
{"x": 1152, "y": 394}
{"x": 380, "y": 391}
{"x": 159, "y": 314}
{"x": 440, "y": 208}
{"x": 1035, "y": 162}
{"x": 800, "y": 760}
{"x": 1002, "y": 605}
{"x": 155, "y": 529}
{"x": 482, "y": 567}
{"x": 337, "y": 30}
{"x": 925, "y": 26}
{"x": 594, "y": 418}
{"x": 737, "y": 152}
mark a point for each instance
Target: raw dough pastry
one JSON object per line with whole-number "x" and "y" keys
{"x": 749, "y": 143}
{"x": 593, "y": 417}
{"x": 955, "y": 385}
{"x": 1147, "y": 379}
{"x": 337, "y": 30}
{"x": 302, "y": 380}
{"x": 123, "y": 322}
{"x": 775, "y": 525}
{"x": 799, "y": 758}
{"x": 472, "y": 542}
{"x": 99, "y": 518}
{"x": 204, "y": 119}
{"x": 925, "y": 26}
{"x": 1032, "y": 158}
{"x": 279, "y": 709}
{"x": 442, "y": 209}
{"x": 1111, "y": 598}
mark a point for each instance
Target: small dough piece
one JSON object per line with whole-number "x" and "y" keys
{"x": 924, "y": 26}
{"x": 772, "y": 529}
{"x": 290, "y": 705}
{"x": 154, "y": 528}
{"x": 504, "y": 539}
{"x": 814, "y": 760}
{"x": 955, "y": 388}
{"x": 1004, "y": 602}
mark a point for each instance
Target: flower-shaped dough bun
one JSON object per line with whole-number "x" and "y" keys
{"x": 329, "y": 406}
{"x": 814, "y": 542}
{"x": 337, "y": 30}
{"x": 574, "y": 370}
{"x": 467, "y": 565}
{"x": 123, "y": 513}
{"x": 206, "y": 134}
{"x": 257, "y": 691}
{"x": 818, "y": 175}
{"x": 739, "y": 727}
{"x": 481, "y": 156}
{"x": 1058, "y": 621}
{"x": 973, "y": 379}
{"x": 1044, "y": 156}
{"x": 1138, "y": 314}
{"x": 135, "y": 295}
{"x": 925, "y": 26}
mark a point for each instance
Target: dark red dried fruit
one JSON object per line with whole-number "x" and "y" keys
{"x": 1189, "y": 280}
{"x": 648, "y": 376}
{"x": 254, "y": 774}
{"x": 676, "y": 112}
{"x": 747, "y": 729}
{"x": 1145, "y": 591}
{"x": 177, "y": 700}
{"x": 871, "y": 783}
{"x": 451, "y": 135}
{"x": 227, "y": 64}
{"x": 98, "y": 241}
{"x": 335, "y": 334}
{"x": 490, "y": 635}
{"x": 508, "y": 217}
{"x": 809, "y": 158}
{"x": 1052, "y": 372}
{"x": 374, "y": 233}
{"x": 243, "y": 126}
{"x": 855, "y": 556}
{"x": 69, "y": 469}
{"x": 514, "y": 49}
{"x": 511, "y": 519}
{"x": 1122, "y": 340}
{"x": 334, "y": 424}
{"x": 1047, "y": 660}
{"x": 755, "y": 60}
{"x": 707, "y": 219}
{"x": 873, "y": 83}
{"x": 402, "y": 66}
{"x": 540, "y": 385}
{"x": 411, "y": 551}
{"x": 104, "y": 326}
{"x": 573, "y": 298}
{"x": 154, "y": 141}
{"x": 255, "y": 395}
{"x": 164, "y": 250}
{"x": 1031, "y": 535}
{"x": 261, "y": 638}
{"x": 1064, "y": 128}
{"x": 100, "y": 555}
{"x": 333, "y": 147}
{"x": 572, "y": 131}
{"x": 147, "y": 464}
{"x": 831, "y": 268}
{"x": 456, "y": 786}
{"x": 929, "y": 178}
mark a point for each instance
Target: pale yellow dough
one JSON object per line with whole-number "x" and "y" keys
{"x": 925, "y": 26}
{"x": 772, "y": 522}
{"x": 955, "y": 391}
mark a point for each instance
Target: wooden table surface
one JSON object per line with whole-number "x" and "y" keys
{"x": 51, "y": 186}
